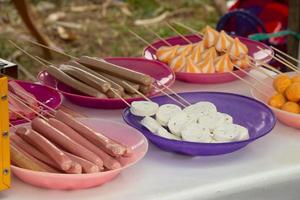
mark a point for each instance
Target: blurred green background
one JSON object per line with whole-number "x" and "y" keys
{"x": 97, "y": 28}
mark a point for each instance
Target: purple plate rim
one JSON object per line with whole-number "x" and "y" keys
{"x": 195, "y": 143}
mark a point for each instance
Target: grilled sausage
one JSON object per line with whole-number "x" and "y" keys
{"x": 73, "y": 83}
{"x": 109, "y": 162}
{"x": 109, "y": 68}
{"x": 86, "y": 77}
{"x": 87, "y": 166}
{"x": 98, "y": 139}
{"x": 24, "y": 160}
{"x": 121, "y": 83}
{"x": 59, "y": 138}
{"x": 35, "y": 139}
{"x": 114, "y": 85}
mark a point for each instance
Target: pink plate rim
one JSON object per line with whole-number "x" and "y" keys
{"x": 92, "y": 174}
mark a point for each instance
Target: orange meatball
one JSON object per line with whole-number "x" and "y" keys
{"x": 296, "y": 79}
{"x": 292, "y": 93}
{"x": 277, "y": 100}
{"x": 291, "y": 107}
{"x": 281, "y": 82}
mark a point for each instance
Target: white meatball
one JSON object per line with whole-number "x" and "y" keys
{"x": 177, "y": 123}
{"x": 151, "y": 124}
{"x": 166, "y": 134}
{"x": 200, "y": 109}
{"x": 226, "y": 133}
{"x": 196, "y": 133}
{"x": 165, "y": 112}
{"x": 243, "y": 132}
{"x": 227, "y": 118}
{"x": 143, "y": 108}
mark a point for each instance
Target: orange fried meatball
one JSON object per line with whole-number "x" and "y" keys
{"x": 277, "y": 100}
{"x": 291, "y": 107}
{"x": 292, "y": 92}
{"x": 296, "y": 79}
{"x": 281, "y": 82}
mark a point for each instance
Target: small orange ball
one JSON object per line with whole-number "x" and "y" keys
{"x": 291, "y": 107}
{"x": 277, "y": 100}
{"x": 296, "y": 79}
{"x": 292, "y": 93}
{"x": 281, "y": 82}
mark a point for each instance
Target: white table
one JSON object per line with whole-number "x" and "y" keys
{"x": 268, "y": 168}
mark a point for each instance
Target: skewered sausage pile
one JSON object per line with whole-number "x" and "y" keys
{"x": 63, "y": 144}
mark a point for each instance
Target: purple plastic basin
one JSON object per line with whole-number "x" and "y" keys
{"x": 214, "y": 78}
{"x": 159, "y": 71}
{"x": 42, "y": 93}
{"x": 248, "y": 112}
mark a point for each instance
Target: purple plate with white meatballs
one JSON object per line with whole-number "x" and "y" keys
{"x": 215, "y": 123}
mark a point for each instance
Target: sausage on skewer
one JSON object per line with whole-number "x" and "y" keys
{"x": 109, "y": 68}
{"x": 73, "y": 83}
{"x": 35, "y": 139}
{"x": 108, "y": 161}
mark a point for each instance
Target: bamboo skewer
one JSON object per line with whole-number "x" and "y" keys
{"x": 22, "y": 116}
{"x": 279, "y": 60}
{"x": 142, "y": 39}
{"x": 118, "y": 95}
{"x": 24, "y": 104}
{"x": 288, "y": 63}
{"x": 197, "y": 33}
{"x": 177, "y": 32}
{"x": 50, "y": 48}
{"x": 158, "y": 36}
{"x": 287, "y": 55}
{"x": 138, "y": 92}
{"x": 177, "y": 95}
{"x": 170, "y": 96}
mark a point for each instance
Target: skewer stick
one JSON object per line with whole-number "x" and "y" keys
{"x": 22, "y": 116}
{"x": 118, "y": 95}
{"x": 197, "y": 33}
{"x": 28, "y": 54}
{"x": 248, "y": 83}
{"x": 142, "y": 95}
{"x": 44, "y": 105}
{"x": 50, "y": 48}
{"x": 288, "y": 63}
{"x": 177, "y": 32}
{"x": 169, "y": 96}
{"x": 177, "y": 95}
{"x": 158, "y": 36}
{"x": 12, "y": 126}
{"x": 287, "y": 55}
{"x": 24, "y": 104}
{"x": 264, "y": 84}
{"x": 261, "y": 71}
{"x": 279, "y": 60}
{"x": 142, "y": 39}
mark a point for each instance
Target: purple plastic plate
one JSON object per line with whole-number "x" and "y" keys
{"x": 250, "y": 113}
{"x": 149, "y": 53}
{"x": 44, "y": 94}
{"x": 159, "y": 71}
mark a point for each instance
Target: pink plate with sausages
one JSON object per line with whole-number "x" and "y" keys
{"x": 44, "y": 94}
{"x": 117, "y": 131}
{"x": 158, "y": 70}
{"x": 149, "y": 53}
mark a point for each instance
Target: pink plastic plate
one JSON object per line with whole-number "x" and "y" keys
{"x": 149, "y": 53}
{"x": 44, "y": 94}
{"x": 159, "y": 71}
{"x": 117, "y": 131}
{"x": 290, "y": 119}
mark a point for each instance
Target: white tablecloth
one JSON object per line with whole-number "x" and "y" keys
{"x": 267, "y": 168}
